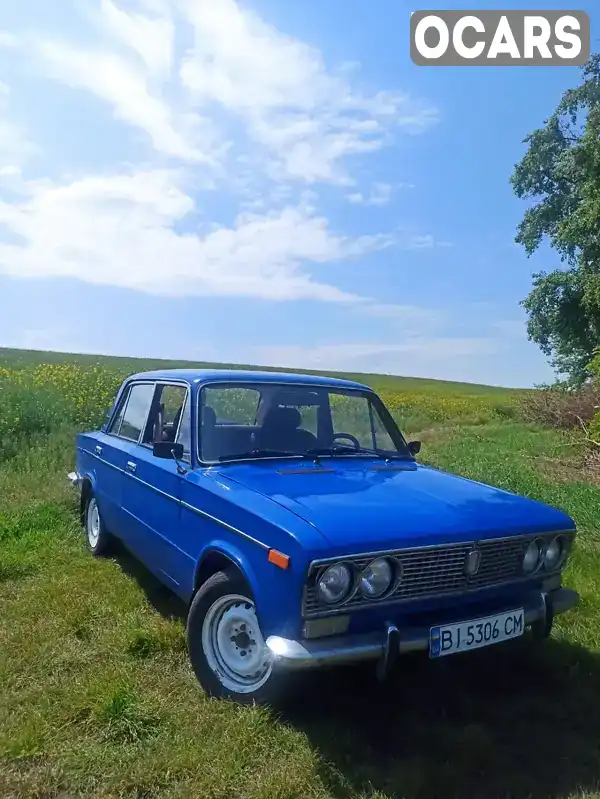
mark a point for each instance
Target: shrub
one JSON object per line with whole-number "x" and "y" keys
{"x": 560, "y": 406}
{"x": 595, "y": 423}
{"x": 564, "y": 407}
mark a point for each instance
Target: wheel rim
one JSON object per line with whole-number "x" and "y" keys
{"x": 234, "y": 645}
{"x": 93, "y": 523}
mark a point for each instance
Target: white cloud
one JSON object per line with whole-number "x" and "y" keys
{"x": 151, "y": 37}
{"x": 15, "y": 147}
{"x": 119, "y": 230}
{"x": 307, "y": 117}
{"x": 123, "y": 85}
{"x": 412, "y": 240}
{"x": 381, "y": 194}
{"x": 228, "y": 103}
{"x": 417, "y": 355}
{"x": 405, "y": 314}
{"x": 7, "y": 39}
{"x": 303, "y": 120}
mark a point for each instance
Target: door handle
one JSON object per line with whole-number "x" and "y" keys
{"x": 98, "y": 450}
{"x": 131, "y": 466}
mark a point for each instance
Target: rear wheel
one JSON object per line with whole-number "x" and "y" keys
{"x": 98, "y": 538}
{"x": 227, "y": 649}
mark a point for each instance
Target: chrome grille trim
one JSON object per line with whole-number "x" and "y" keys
{"x": 435, "y": 571}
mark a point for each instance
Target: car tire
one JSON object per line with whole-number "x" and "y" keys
{"x": 97, "y": 537}
{"x": 226, "y": 647}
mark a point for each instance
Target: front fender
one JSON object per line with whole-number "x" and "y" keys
{"x": 277, "y": 592}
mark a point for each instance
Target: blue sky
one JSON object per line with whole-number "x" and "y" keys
{"x": 264, "y": 182}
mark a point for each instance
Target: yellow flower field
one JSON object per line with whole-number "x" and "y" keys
{"x": 40, "y": 397}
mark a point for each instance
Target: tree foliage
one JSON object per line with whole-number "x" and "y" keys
{"x": 560, "y": 174}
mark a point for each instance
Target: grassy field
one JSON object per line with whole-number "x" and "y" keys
{"x": 96, "y": 695}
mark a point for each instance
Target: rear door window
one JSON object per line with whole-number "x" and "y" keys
{"x": 135, "y": 411}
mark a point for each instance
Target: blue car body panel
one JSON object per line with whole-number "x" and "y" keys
{"x": 358, "y": 504}
{"x": 307, "y": 511}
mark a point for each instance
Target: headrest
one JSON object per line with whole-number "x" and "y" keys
{"x": 287, "y": 418}
{"x": 209, "y": 417}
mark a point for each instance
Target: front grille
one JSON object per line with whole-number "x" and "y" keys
{"x": 433, "y": 572}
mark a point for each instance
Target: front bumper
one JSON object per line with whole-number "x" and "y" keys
{"x": 390, "y": 641}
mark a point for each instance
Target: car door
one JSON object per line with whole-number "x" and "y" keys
{"x": 109, "y": 463}
{"x": 112, "y": 450}
{"x": 153, "y": 485}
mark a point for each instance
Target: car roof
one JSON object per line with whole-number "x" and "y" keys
{"x": 245, "y": 376}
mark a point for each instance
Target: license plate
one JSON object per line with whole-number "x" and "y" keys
{"x": 466, "y": 635}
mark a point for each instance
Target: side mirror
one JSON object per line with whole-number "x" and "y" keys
{"x": 414, "y": 447}
{"x": 167, "y": 450}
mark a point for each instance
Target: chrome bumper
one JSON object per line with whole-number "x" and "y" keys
{"x": 338, "y": 650}
{"x": 74, "y": 478}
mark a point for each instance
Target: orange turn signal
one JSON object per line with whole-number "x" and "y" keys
{"x": 279, "y": 559}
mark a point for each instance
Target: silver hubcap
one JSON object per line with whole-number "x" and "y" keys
{"x": 93, "y": 523}
{"x": 234, "y": 646}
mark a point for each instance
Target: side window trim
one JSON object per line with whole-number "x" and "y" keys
{"x": 372, "y": 425}
{"x": 187, "y": 456}
{"x": 148, "y": 412}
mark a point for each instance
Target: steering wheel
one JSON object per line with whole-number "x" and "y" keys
{"x": 348, "y": 437}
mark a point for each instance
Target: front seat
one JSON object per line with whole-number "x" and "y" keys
{"x": 281, "y": 430}
{"x": 208, "y": 434}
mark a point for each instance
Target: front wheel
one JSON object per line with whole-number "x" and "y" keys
{"x": 226, "y": 646}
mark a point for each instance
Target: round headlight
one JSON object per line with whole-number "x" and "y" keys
{"x": 554, "y": 553}
{"x": 532, "y": 557}
{"x": 376, "y": 578}
{"x": 335, "y": 584}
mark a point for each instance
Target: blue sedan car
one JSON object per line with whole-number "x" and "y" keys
{"x": 293, "y": 517}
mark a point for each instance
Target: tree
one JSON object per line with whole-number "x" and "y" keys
{"x": 560, "y": 172}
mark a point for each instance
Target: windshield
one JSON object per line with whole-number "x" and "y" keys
{"x": 252, "y": 421}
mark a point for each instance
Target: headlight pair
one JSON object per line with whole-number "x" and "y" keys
{"x": 338, "y": 581}
{"x": 548, "y": 556}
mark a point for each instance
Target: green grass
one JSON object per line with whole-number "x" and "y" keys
{"x": 97, "y": 698}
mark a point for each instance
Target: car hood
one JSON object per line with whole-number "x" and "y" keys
{"x": 357, "y": 504}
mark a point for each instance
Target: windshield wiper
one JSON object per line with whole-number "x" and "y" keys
{"x": 258, "y": 453}
{"x": 343, "y": 449}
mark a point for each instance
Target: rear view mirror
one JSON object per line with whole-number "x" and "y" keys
{"x": 414, "y": 447}
{"x": 167, "y": 450}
